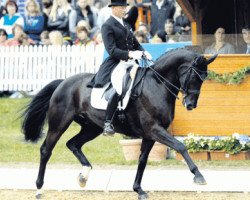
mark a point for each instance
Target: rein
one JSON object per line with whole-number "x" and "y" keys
{"x": 161, "y": 78}
{"x": 185, "y": 90}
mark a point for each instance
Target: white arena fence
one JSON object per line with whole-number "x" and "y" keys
{"x": 30, "y": 68}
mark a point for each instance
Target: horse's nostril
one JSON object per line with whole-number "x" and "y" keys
{"x": 189, "y": 107}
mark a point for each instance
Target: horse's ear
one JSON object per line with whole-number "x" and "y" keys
{"x": 198, "y": 60}
{"x": 209, "y": 60}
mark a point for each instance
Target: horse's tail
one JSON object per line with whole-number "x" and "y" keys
{"x": 35, "y": 112}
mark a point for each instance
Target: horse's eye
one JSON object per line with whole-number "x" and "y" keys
{"x": 193, "y": 76}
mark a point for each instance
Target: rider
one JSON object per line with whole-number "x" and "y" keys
{"x": 122, "y": 48}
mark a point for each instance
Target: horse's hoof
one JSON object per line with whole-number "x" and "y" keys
{"x": 83, "y": 176}
{"x": 143, "y": 196}
{"x": 199, "y": 180}
{"x": 82, "y": 180}
{"x": 39, "y": 194}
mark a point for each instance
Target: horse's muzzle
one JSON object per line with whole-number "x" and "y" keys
{"x": 190, "y": 107}
{"x": 188, "y": 104}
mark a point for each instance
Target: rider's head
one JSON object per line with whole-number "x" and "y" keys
{"x": 119, "y": 8}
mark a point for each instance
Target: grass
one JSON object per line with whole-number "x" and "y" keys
{"x": 14, "y": 148}
{"x": 101, "y": 151}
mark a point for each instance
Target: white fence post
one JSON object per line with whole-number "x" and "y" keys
{"x": 29, "y": 68}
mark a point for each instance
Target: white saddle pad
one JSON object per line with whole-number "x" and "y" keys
{"x": 98, "y": 101}
{"x": 97, "y": 98}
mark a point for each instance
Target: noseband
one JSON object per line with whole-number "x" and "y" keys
{"x": 201, "y": 74}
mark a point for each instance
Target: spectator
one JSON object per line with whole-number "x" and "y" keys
{"x": 159, "y": 37}
{"x": 44, "y": 38}
{"x": 183, "y": 27}
{"x": 161, "y": 10}
{"x": 144, "y": 28}
{"x": 20, "y": 38}
{"x": 245, "y": 49}
{"x": 84, "y": 23}
{"x": 82, "y": 35}
{"x": 59, "y": 17}
{"x": 85, "y": 12}
{"x": 11, "y": 18}
{"x": 33, "y": 20}
{"x": 47, "y": 6}
{"x": 220, "y": 46}
{"x": 103, "y": 15}
{"x": 98, "y": 38}
{"x": 56, "y": 38}
{"x": 182, "y": 24}
{"x": 141, "y": 37}
{"x": 99, "y": 4}
{"x": 170, "y": 31}
{"x": 2, "y": 10}
{"x": 3, "y": 37}
{"x": 132, "y": 15}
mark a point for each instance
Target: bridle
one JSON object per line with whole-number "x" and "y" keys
{"x": 184, "y": 89}
{"x": 201, "y": 74}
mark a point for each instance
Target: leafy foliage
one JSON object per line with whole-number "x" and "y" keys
{"x": 196, "y": 143}
{"x": 233, "y": 144}
{"x": 229, "y": 78}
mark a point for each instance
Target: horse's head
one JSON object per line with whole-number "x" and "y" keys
{"x": 191, "y": 76}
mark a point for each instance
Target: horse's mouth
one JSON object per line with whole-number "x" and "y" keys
{"x": 189, "y": 108}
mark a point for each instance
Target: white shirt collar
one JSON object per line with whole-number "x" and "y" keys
{"x": 159, "y": 4}
{"x": 118, "y": 19}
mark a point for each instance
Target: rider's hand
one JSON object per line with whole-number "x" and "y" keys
{"x": 148, "y": 55}
{"x": 135, "y": 54}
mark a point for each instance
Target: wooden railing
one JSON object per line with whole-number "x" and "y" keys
{"x": 28, "y": 68}
{"x": 222, "y": 109}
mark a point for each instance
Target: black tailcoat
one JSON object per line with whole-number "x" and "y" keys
{"x": 118, "y": 41}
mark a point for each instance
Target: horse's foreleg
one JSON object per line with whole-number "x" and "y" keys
{"x": 161, "y": 135}
{"x": 75, "y": 144}
{"x": 145, "y": 150}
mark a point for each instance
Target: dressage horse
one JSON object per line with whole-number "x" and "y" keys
{"x": 148, "y": 116}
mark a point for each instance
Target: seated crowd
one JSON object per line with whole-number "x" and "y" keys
{"x": 78, "y": 22}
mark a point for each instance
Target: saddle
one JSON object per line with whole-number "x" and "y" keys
{"x": 131, "y": 89}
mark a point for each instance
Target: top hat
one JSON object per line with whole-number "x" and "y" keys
{"x": 118, "y": 3}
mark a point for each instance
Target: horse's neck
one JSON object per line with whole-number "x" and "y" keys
{"x": 168, "y": 64}
{"x": 167, "y": 67}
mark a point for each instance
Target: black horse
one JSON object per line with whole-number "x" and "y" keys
{"x": 148, "y": 116}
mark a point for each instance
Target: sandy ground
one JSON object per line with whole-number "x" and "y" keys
{"x": 75, "y": 195}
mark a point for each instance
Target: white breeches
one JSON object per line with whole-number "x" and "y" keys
{"x": 118, "y": 74}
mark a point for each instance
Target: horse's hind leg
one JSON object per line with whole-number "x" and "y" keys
{"x": 45, "y": 153}
{"x": 57, "y": 126}
{"x": 88, "y": 132}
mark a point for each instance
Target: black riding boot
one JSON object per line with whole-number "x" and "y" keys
{"x": 108, "y": 129}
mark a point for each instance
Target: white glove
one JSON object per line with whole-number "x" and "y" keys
{"x": 136, "y": 54}
{"x": 148, "y": 55}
